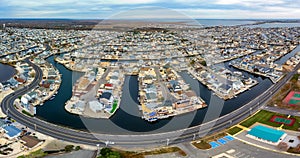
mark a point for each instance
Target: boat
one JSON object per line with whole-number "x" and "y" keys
{"x": 52, "y": 98}
{"x": 41, "y": 104}
{"x": 152, "y": 119}
{"x": 238, "y": 73}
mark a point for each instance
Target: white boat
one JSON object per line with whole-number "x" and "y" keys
{"x": 238, "y": 73}
{"x": 152, "y": 119}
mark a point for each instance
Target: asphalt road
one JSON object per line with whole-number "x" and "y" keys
{"x": 143, "y": 140}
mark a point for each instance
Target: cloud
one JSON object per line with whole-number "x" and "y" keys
{"x": 193, "y": 8}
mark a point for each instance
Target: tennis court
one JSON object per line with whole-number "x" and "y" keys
{"x": 292, "y": 99}
{"x": 282, "y": 120}
{"x": 297, "y": 95}
{"x": 294, "y": 102}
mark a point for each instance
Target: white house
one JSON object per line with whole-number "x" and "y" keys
{"x": 236, "y": 85}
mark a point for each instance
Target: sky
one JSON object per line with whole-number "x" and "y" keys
{"x": 106, "y": 9}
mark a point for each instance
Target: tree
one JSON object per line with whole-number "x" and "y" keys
{"x": 77, "y": 148}
{"x": 105, "y": 151}
{"x": 108, "y": 153}
{"x": 69, "y": 148}
{"x": 203, "y": 63}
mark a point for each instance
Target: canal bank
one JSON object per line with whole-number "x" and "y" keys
{"x": 128, "y": 119}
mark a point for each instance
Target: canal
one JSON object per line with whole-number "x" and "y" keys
{"x": 6, "y": 72}
{"x": 128, "y": 118}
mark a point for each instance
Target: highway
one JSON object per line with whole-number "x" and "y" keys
{"x": 159, "y": 139}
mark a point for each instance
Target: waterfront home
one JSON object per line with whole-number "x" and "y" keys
{"x": 106, "y": 99}
{"x": 150, "y": 88}
{"x": 96, "y": 106}
{"x": 225, "y": 88}
{"x": 12, "y": 83}
{"x": 182, "y": 104}
{"x": 151, "y": 97}
{"x": 78, "y": 105}
{"x": 237, "y": 85}
{"x": 175, "y": 86}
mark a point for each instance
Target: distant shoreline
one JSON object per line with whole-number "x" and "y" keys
{"x": 111, "y": 24}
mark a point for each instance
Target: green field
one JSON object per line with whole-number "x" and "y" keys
{"x": 114, "y": 107}
{"x": 264, "y": 117}
{"x": 234, "y": 130}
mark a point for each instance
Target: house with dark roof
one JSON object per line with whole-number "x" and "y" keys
{"x": 106, "y": 99}
{"x": 30, "y": 141}
{"x": 175, "y": 86}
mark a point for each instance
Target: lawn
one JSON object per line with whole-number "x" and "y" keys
{"x": 35, "y": 154}
{"x": 234, "y": 130}
{"x": 114, "y": 107}
{"x": 159, "y": 151}
{"x": 264, "y": 117}
{"x": 202, "y": 145}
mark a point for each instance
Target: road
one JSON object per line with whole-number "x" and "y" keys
{"x": 142, "y": 140}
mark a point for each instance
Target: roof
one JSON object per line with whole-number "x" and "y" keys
{"x": 30, "y": 141}
{"x": 106, "y": 95}
{"x": 2, "y": 122}
{"x": 12, "y": 131}
{"x": 108, "y": 85}
{"x": 266, "y": 133}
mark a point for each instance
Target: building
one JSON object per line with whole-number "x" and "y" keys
{"x": 175, "y": 86}
{"x": 30, "y": 141}
{"x": 96, "y": 106}
{"x": 266, "y": 134}
{"x": 11, "y": 131}
{"x": 237, "y": 85}
{"x": 106, "y": 99}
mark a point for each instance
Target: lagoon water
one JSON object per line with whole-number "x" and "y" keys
{"x": 6, "y": 72}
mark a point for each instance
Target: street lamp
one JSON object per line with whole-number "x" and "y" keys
{"x": 194, "y": 137}
{"x": 98, "y": 146}
{"x": 168, "y": 142}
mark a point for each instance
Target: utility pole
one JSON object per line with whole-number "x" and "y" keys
{"x": 168, "y": 142}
